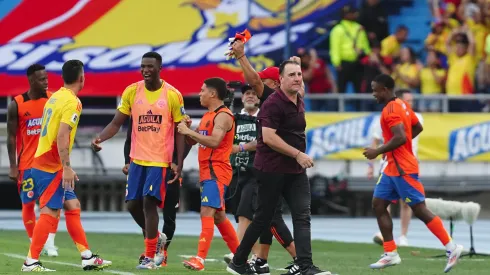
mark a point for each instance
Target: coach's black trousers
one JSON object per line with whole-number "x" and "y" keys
{"x": 295, "y": 189}
{"x": 242, "y": 201}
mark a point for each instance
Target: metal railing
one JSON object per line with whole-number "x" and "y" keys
{"x": 342, "y": 102}
{"x": 343, "y": 99}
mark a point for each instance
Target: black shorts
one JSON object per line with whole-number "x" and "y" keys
{"x": 244, "y": 200}
{"x": 248, "y": 199}
{"x": 243, "y": 187}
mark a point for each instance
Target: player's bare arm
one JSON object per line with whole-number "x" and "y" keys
{"x": 249, "y": 73}
{"x": 110, "y": 130}
{"x": 180, "y": 147}
{"x": 12, "y": 125}
{"x": 376, "y": 142}
{"x": 63, "y": 143}
{"x": 222, "y": 124}
{"x": 275, "y": 142}
{"x": 417, "y": 129}
{"x": 399, "y": 138}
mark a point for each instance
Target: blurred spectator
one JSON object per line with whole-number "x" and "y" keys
{"x": 487, "y": 65}
{"x": 318, "y": 79}
{"x": 462, "y": 63}
{"x": 436, "y": 40}
{"x": 374, "y": 18}
{"x": 462, "y": 66}
{"x": 348, "y": 43}
{"x": 479, "y": 31}
{"x": 467, "y": 8}
{"x": 436, "y": 5}
{"x": 406, "y": 73}
{"x": 431, "y": 78}
{"x": 390, "y": 46}
{"x": 374, "y": 64}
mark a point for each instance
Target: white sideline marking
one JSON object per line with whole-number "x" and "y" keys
{"x": 17, "y": 256}
{"x": 460, "y": 259}
{"x": 207, "y": 260}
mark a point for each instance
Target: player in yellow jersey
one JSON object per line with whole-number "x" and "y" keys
{"x": 52, "y": 172}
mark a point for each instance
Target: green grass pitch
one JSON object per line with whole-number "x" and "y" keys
{"x": 124, "y": 249}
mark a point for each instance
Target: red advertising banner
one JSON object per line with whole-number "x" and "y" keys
{"x": 110, "y": 36}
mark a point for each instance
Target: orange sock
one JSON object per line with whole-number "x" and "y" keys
{"x": 229, "y": 235}
{"x": 75, "y": 229}
{"x": 55, "y": 229}
{"x": 43, "y": 226}
{"x": 437, "y": 228}
{"x": 151, "y": 247}
{"x": 29, "y": 217}
{"x": 389, "y": 246}
{"x": 207, "y": 232}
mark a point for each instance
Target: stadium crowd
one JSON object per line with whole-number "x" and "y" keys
{"x": 455, "y": 58}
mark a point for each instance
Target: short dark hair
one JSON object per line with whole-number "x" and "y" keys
{"x": 402, "y": 28}
{"x": 401, "y": 92}
{"x": 155, "y": 55}
{"x": 219, "y": 84}
{"x": 286, "y": 62}
{"x": 385, "y": 80}
{"x": 34, "y": 68}
{"x": 71, "y": 71}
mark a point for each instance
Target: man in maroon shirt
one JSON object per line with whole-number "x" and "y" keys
{"x": 281, "y": 163}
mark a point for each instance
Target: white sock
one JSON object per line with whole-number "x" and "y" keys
{"x": 87, "y": 254}
{"x": 50, "y": 240}
{"x": 30, "y": 261}
{"x": 450, "y": 246}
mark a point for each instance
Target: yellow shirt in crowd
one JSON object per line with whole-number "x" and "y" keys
{"x": 428, "y": 82}
{"x": 408, "y": 70}
{"x": 479, "y": 32}
{"x": 461, "y": 74}
{"x": 390, "y": 46}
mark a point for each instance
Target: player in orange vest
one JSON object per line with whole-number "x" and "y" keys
{"x": 215, "y": 136}
{"x": 156, "y": 107}
{"x": 23, "y": 127}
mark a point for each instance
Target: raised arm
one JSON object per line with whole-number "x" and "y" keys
{"x": 223, "y": 123}
{"x": 249, "y": 73}
{"x": 12, "y": 125}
